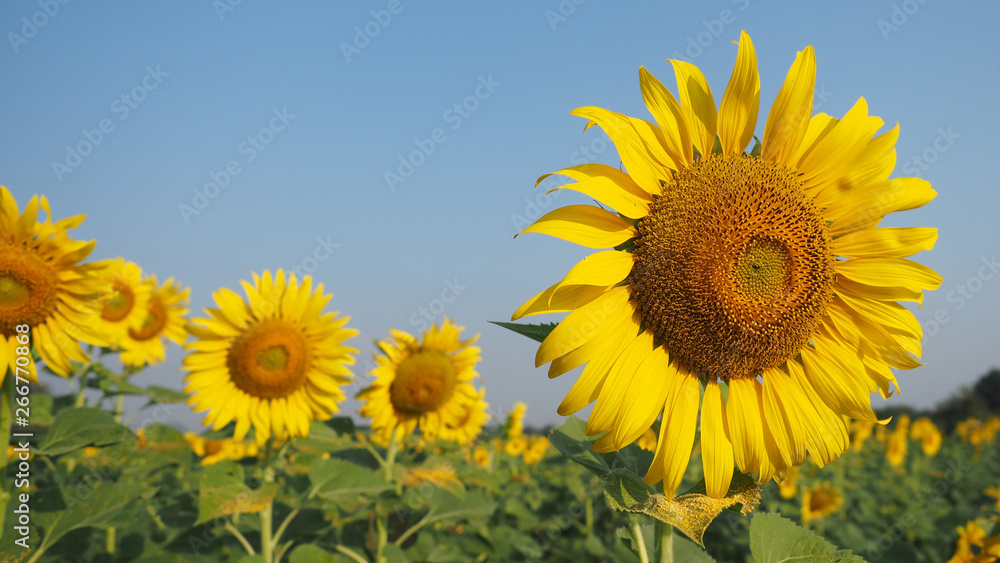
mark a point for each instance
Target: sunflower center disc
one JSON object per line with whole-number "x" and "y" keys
{"x": 156, "y": 320}
{"x": 424, "y": 381}
{"x": 28, "y": 289}
{"x": 733, "y": 268}
{"x": 270, "y": 360}
{"x": 119, "y": 304}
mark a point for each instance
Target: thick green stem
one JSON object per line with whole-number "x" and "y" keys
{"x": 118, "y": 407}
{"x": 390, "y": 455}
{"x": 109, "y": 541}
{"x": 664, "y": 542}
{"x": 383, "y": 539}
{"x": 637, "y": 539}
{"x": 266, "y": 540}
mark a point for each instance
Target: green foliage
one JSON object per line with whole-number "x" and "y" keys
{"x": 76, "y": 428}
{"x": 535, "y": 332}
{"x": 774, "y": 539}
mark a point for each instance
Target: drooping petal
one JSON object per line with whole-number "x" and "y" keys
{"x": 607, "y": 185}
{"x": 697, "y": 104}
{"x": 716, "y": 450}
{"x": 667, "y": 113}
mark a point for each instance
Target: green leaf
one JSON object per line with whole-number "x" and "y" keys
{"x": 447, "y": 506}
{"x": 159, "y": 394}
{"x": 307, "y": 553}
{"x": 343, "y": 425}
{"x": 571, "y": 439}
{"x": 335, "y": 478}
{"x": 686, "y": 551}
{"x": 774, "y": 539}
{"x": 534, "y": 332}
{"x": 755, "y": 151}
{"x": 107, "y": 505}
{"x": 223, "y": 491}
{"x": 75, "y": 428}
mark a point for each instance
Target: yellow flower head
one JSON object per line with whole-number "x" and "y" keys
{"x": 896, "y": 447}
{"x": 164, "y": 318}
{"x": 515, "y": 421}
{"x": 481, "y": 456}
{"x": 516, "y": 445}
{"x": 274, "y": 362}
{"x": 648, "y": 440}
{"x": 862, "y": 430}
{"x": 444, "y": 477}
{"x": 426, "y": 383}
{"x": 44, "y": 287}
{"x": 990, "y": 491}
{"x": 213, "y": 451}
{"x": 763, "y": 270}
{"x": 124, "y": 302}
{"x": 820, "y": 501}
{"x": 930, "y": 437}
{"x": 535, "y": 452}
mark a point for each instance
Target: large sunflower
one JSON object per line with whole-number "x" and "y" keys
{"x": 754, "y": 283}
{"x": 164, "y": 318}
{"x": 275, "y": 362}
{"x": 43, "y": 285}
{"x": 426, "y": 383}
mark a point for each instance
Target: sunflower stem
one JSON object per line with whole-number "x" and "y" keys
{"x": 118, "y": 407}
{"x": 390, "y": 455}
{"x": 637, "y": 540}
{"x": 267, "y": 515}
{"x": 109, "y": 541}
{"x": 383, "y": 539}
{"x": 239, "y": 537}
{"x": 664, "y": 542}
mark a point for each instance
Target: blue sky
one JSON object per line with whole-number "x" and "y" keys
{"x": 305, "y": 110}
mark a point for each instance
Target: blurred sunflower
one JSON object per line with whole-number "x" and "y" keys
{"x": 481, "y": 456}
{"x": 537, "y": 447}
{"x": 648, "y": 440}
{"x": 425, "y": 383}
{"x": 213, "y": 451}
{"x": 820, "y": 501}
{"x": 788, "y": 486}
{"x": 927, "y": 432}
{"x": 762, "y": 272}
{"x": 275, "y": 362}
{"x": 862, "y": 430}
{"x": 44, "y": 285}
{"x": 124, "y": 302}
{"x": 164, "y": 318}
{"x": 896, "y": 447}
{"x": 516, "y": 446}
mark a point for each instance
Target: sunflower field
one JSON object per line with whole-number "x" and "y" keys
{"x": 742, "y": 308}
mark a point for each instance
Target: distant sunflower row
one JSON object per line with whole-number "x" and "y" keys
{"x": 273, "y": 361}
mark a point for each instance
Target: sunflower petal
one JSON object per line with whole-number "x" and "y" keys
{"x": 716, "y": 451}
{"x": 697, "y": 104}
{"x": 585, "y": 225}
{"x": 741, "y": 102}
{"x": 789, "y": 117}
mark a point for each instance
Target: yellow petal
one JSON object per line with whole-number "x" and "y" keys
{"x": 789, "y": 117}
{"x": 559, "y": 298}
{"x": 580, "y": 326}
{"x": 832, "y": 156}
{"x": 785, "y": 427}
{"x": 667, "y": 113}
{"x": 585, "y": 225}
{"x": 837, "y": 382}
{"x": 746, "y": 431}
{"x": 643, "y": 399}
{"x": 890, "y": 272}
{"x": 864, "y": 208}
{"x": 625, "y": 369}
{"x": 588, "y": 386}
{"x": 677, "y": 429}
{"x": 608, "y": 334}
{"x": 885, "y": 243}
{"x": 716, "y": 451}
{"x": 741, "y": 102}
{"x": 639, "y": 144}
{"x": 697, "y": 104}
{"x": 826, "y": 434}
{"x": 607, "y": 185}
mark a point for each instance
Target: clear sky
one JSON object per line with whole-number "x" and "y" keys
{"x": 125, "y": 111}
